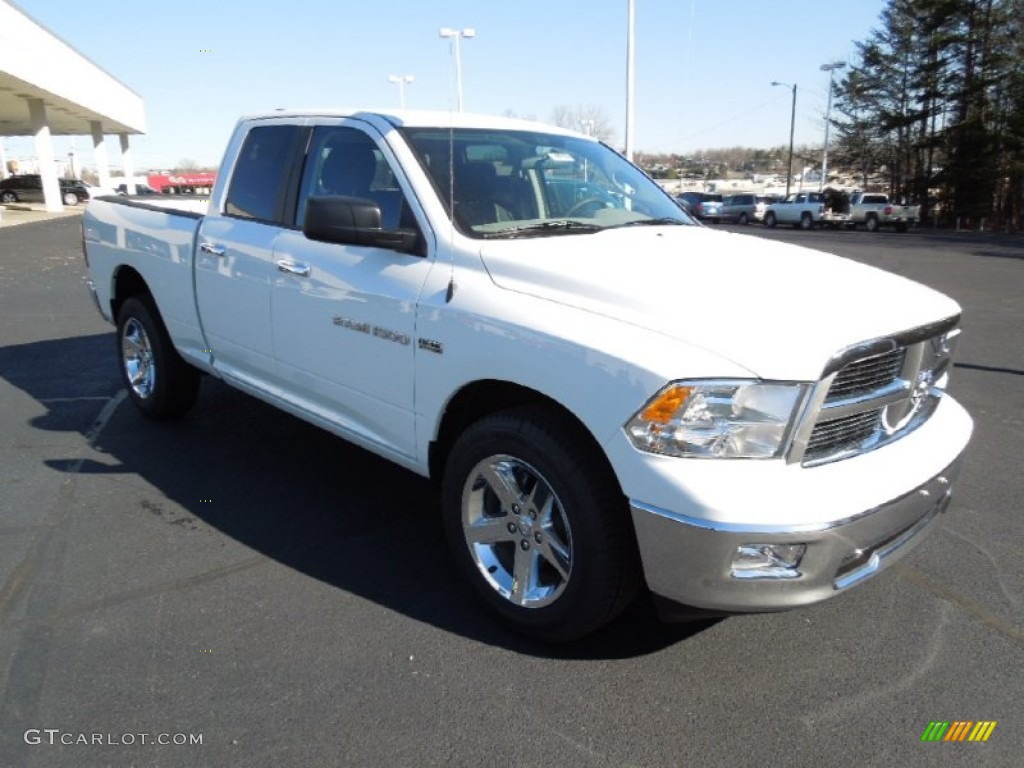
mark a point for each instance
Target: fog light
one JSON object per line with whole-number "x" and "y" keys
{"x": 767, "y": 561}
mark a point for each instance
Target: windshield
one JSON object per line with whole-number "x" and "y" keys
{"x": 510, "y": 183}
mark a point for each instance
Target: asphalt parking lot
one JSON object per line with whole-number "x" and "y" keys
{"x": 244, "y": 577}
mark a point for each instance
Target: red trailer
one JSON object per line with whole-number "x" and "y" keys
{"x": 191, "y": 183}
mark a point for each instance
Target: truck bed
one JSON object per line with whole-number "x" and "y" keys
{"x": 156, "y": 238}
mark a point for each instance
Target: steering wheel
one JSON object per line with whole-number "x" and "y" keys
{"x": 599, "y": 201}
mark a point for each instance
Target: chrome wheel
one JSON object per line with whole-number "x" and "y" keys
{"x": 517, "y": 531}
{"x": 137, "y": 359}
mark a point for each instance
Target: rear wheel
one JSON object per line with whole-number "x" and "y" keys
{"x": 871, "y": 223}
{"x": 744, "y": 219}
{"x": 159, "y": 382}
{"x": 70, "y": 198}
{"x": 8, "y": 197}
{"x": 538, "y": 525}
{"x": 806, "y": 221}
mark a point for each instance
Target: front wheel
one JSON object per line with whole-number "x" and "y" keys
{"x": 70, "y": 198}
{"x": 538, "y": 525}
{"x": 8, "y": 197}
{"x": 159, "y": 382}
{"x": 769, "y": 220}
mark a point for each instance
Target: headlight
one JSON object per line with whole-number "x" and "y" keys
{"x": 717, "y": 419}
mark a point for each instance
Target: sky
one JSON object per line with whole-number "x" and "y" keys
{"x": 703, "y": 67}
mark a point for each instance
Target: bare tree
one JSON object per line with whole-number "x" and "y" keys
{"x": 585, "y": 118}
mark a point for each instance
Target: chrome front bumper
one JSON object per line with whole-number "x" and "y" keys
{"x": 690, "y": 561}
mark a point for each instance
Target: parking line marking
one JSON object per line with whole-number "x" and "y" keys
{"x": 984, "y": 615}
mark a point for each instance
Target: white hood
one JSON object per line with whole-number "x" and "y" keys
{"x": 779, "y": 310}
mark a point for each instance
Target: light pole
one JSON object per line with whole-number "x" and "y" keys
{"x": 630, "y": 77}
{"x": 830, "y": 68}
{"x": 455, "y": 35}
{"x": 792, "y": 126}
{"x": 401, "y": 80}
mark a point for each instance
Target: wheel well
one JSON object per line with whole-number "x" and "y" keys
{"x": 482, "y": 398}
{"x": 127, "y": 283}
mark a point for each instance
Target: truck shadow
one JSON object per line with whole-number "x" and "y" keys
{"x": 290, "y": 492}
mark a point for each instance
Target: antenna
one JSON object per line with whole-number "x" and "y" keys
{"x": 450, "y": 293}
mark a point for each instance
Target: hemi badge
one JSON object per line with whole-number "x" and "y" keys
{"x": 431, "y": 346}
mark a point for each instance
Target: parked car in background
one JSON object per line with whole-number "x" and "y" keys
{"x": 803, "y": 210}
{"x": 743, "y": 208}
{"x": 688, "y": 201}
{"x": 140, "y": 189}
{"x": 28, "y": 188}
{"x": 709, "y": 208}
{"x": 705, "y": 206}
{"x": 874, "y": 210}
{"x": 95, "y": 190}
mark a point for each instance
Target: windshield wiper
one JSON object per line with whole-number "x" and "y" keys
{"x": 556, "y": 227}
{"x": 652, "y": 222}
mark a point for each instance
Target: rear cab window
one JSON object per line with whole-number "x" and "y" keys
{"x": 263, "y": 168}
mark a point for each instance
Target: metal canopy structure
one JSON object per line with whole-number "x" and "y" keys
{"x": 48, "y": 88}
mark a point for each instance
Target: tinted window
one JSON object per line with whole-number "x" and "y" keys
{"x": 512, "y": 183}
{"x": 261, "y": 168}
{"x": 346, "y": 162}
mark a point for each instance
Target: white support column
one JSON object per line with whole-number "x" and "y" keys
{"x": 99, "y": 153}
{"x": 44, "y": 151}
{"x": 126, "y": 164}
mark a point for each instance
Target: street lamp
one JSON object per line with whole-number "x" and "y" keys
{"x": 630, "y": 77}
{"x": 401, "y": 80}
{"x": 830, "y": 68}
{"x": 792, "y": 126}
{"x": 455, "y": 35}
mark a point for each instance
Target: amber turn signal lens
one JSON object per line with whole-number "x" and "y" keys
{"x": 666, "y": 405}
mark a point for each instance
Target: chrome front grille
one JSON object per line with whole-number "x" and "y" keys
{"x": 841, "y": 434}
{"x": 868, "y": 374}
{"x": 875, "y": 393}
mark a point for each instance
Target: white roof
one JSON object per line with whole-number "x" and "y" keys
{"x": 420, "y": 119}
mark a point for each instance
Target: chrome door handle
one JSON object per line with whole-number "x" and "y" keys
{"x": 216, "y": 250}
{"x": 293, "y": 268}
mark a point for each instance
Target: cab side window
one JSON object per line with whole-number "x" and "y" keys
{"x": 259, "y": 182}
{"x": 346, "y": 162}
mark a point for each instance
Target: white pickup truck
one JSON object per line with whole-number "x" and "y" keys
{"x": 873, "y": 210}
{"x": 610, "y": 396}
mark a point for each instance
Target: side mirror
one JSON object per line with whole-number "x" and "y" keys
{"x": 354, "y": 221}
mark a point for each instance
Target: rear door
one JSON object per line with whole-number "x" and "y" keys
{"x": 235, "y": 250}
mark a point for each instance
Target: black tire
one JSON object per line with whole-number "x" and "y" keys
{"x": 159, "y": 382}
{"x": 902, "y": 227}
{"x": 8, "y": 197}
{"x": 871, "y": 223}
{"x": 577, "y": 552}
{"x": 806, "y": 221}
{"x": 70, "y": 198}
{"x": 744, "y": 219}
{"x": 769, "y": 220}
